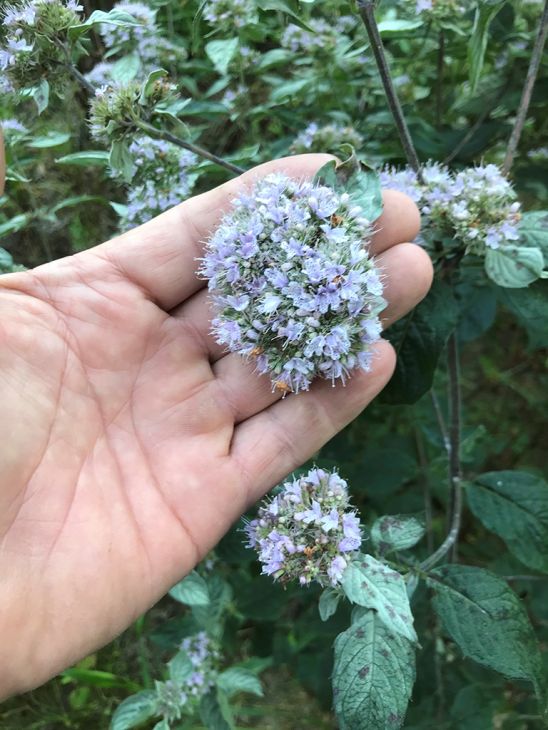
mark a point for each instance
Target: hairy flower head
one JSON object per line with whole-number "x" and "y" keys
{"x": 293, "y": 286}
{"x": 307, "y": 532}
{"x": 142, "y": 39}
{"x": 35, "y": 32}
{"x": 476, "y": 207}
{"x": 229, "y": 14}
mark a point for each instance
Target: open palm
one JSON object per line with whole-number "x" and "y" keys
{"x": 129, "y": 441}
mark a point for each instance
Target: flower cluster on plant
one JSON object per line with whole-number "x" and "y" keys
{"x": 321, "y": 38}
{"x": 326, "y": 138}
{"x": 293, "y": 286}
{"x": 35, "y": 35}
{"x": 160, "y": 179}
{"x": 308, "y": 531}
{"x": 228, "y": 14}
{"x": 440, "y": 10}
{"x": 142, "y": 39}
{"x": 177, "y": 697}
{"x": 476, "y": 206}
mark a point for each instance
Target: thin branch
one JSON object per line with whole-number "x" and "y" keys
{"x": 527, "y": 92}
{"x": 84, "y": 83}
{"x": 439, "y": 79}
{"x": 200, "y": 151}
{"x": 455, "y": 474}
{"x": 486, "y": 113}
{"x": 366, "y": 9}
{"x": 427, "y": 496}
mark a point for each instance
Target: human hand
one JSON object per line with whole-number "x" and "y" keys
{"x": 129, "y": 441}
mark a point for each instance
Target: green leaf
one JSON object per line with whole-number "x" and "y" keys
{"x": 396, "y": 532}
{"x": 113, "y": 17}
{"x": 209, "y": 616}
{"x": 221, "y": 53}
{"x": 180, "y": 667}
{"x": 487, "y": 621}
{"x": 373, "y": 676}
{"x": 215, "y": 711}
{"x": 6, "y": 260}
{"x": 533, "y": 229}
{"x": 96, "y": 678}
{"x": 77, "y": 200}
{"x": 329, "y": 600}
{"x": 192, "y": 590}
{"x": 40, "y": 94}
{"x": 134, "y": 710}
{"x": 530, "y": 306}
{"x": 51, "y": 139}
{"x": 372, "y": 584}
{"x": 357, "y": 179}
{"x": 390, "y": 28}
{"x": 238, "y": 679}
{"x": 126, "y": 69}
{"x": 289, "y": 7}
{"x": 514, "y": 505}
{"x": 87, "y": 158}
{"x": 148, "y": 84}
{"x": 485, "y": 12}
{"x": 17, "y": 223}
{"x": 120, "y": 160}
{"x": 419, "y": 339}
{"x": 514, "y": 266}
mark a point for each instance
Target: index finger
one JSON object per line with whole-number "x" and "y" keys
{"x": 161, "y": 256}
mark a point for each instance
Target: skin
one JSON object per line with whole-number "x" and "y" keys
{"x": 129, "y": 441}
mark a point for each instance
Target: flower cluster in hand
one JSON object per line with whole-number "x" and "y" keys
{"x": 307, "y": 532}
{"x": 229, "y": 14}
{"x": 174, "y": 698}
{"x": 160, "y": 180}
{"x": 325, "y": 139}
{"x": 292, "y": 283}
{"x": 35, "y": 32}
{"x": 475, "y": 207}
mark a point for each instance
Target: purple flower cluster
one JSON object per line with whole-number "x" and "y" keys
{"x": 476, "y": 206}
{"x": 293, "y": 285}
{"x": 326, "y": 138}
{"x": 174, "y": 698}
{"x": 12, "y": 127}
{"x": 229, "y": 14}
{"x": 161, "y": 179}
{"x": 322, "y": 36}
{"x": 142, "y": 39}
{"x": 307, "y": 531}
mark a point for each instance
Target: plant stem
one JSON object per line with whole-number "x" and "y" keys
{"x": 84, "y": 83}
{"x": 439, "y": 79}
{"x": 441, "y": 421}
{"x": 200, "y": 151}
{"x": 455, "y": 473}
{"x": 527, "y": 92}
{"x": 366, "y": 10}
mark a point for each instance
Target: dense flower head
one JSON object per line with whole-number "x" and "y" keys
{"x": 307, "y": 532}
{"x": 229, "y": 14}
{"x": 293, "y": 286}
{"x": 175, "y": 698}
{"x": 142, "y": 38}
{"x": 327, "y": 138}
{"x": 161, "y": 179}
{"x": 476, "y": 206}
{"x": 322, "y": 37}
{"x": 33, "y": 30}
{"x": 116, "y": 111}
{"x": 101, "y": 75}
{"x": 439, "y": 10}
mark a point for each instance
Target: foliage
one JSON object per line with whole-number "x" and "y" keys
{"x": 461, "y": 628}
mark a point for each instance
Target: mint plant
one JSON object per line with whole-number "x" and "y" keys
{"x": 401, "y": 575}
